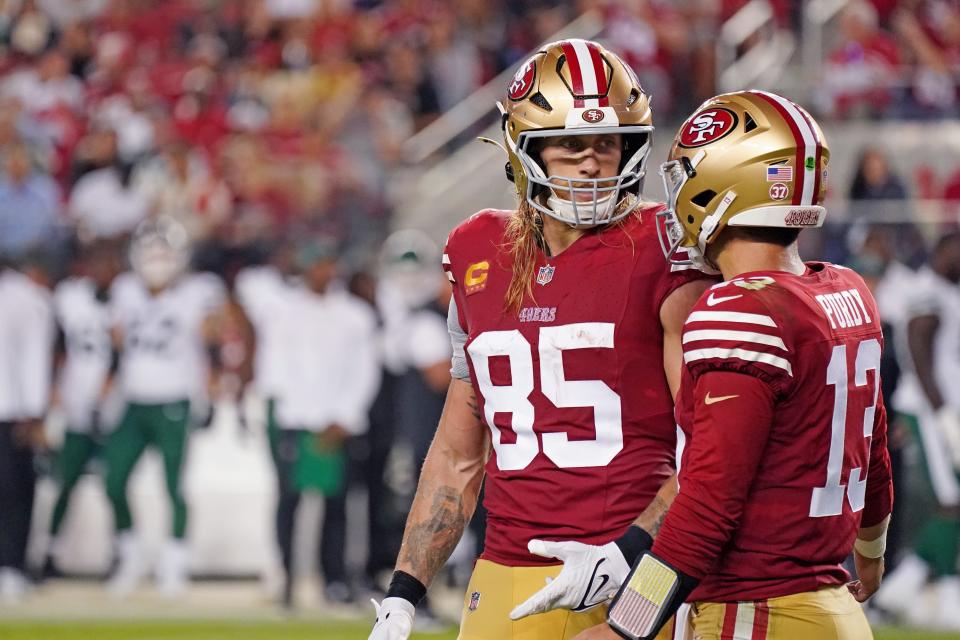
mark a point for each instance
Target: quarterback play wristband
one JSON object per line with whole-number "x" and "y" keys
{"x": 403, "y": 585}
{"x": 872, "y": 548}
{"x": 634, "y": 542}
{"x": 648, "y": 598}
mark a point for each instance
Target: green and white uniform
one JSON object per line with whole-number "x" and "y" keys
{"x": 262, "y": 292}
{"x": 84, "y": 320}
{"x": 932, "y": 295}
{"x": 163, "y": 366}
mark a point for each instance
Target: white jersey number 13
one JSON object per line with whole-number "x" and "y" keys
{"x": 828, "y": 499}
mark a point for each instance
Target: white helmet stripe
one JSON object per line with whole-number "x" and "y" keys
{"x": 587, "y": 72}
{"x": 809, "y": 140}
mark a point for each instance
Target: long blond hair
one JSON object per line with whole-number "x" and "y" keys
{"x": 524, "y": 239}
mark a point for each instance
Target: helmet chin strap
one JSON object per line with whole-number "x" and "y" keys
{"x": 568, "y": 212}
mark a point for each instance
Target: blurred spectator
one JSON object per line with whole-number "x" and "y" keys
{"x": 46, "y": 86}
{"x": 103, "y": 202}
{"x": 454, "y": 60}
{"x": 874, "y": 180}
{"x": 29, "y": 204}
{"x": 878, "y": 196}
{"x": 32, "y": 30}
{"x": 858, "y": 74}
{"x": 932, "y": 41}
{"x": 410, "y": 83}
{"x": 180, "y": 185}
{"x": 65, "y": 13}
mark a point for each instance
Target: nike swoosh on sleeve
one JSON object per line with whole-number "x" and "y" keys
{"x": 713, "y": 300}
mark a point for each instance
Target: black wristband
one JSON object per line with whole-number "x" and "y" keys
{"x": 403, "y": 585}
{"x": 633, "y": 543}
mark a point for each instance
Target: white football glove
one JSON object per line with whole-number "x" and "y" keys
{"x": 394, "y": 619}
{"x": 591, "y": 575}
{"x": 948, "y": 422}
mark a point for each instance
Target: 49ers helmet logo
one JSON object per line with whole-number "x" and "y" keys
{"x": 523, "y": 81}
{"x": 592, "y": 115}
{"x": 707, "y": 126}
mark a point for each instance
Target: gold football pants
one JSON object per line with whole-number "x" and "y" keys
{"x": 826, "y": 614}
{"x": 494, "y": 591}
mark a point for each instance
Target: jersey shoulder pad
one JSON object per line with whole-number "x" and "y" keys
{"x": 481, "y": 232}
{"x": 483, "y": 225}
{"x": 731, "y": 328}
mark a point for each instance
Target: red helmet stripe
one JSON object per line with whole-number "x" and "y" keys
{"x": 600, "y": 72}
{"x": 798, "y": 169}
{"x": 819, "y": 156}
{"x": 573, "y": 63}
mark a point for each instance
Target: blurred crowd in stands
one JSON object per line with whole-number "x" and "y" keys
{"x": 258, "y": 124}
{"x": 253, "y": 120}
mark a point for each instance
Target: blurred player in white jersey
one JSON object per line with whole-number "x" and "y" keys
{"x": 86, "y": 358}
{"x": 26, "y": 360}
{"x": 165, "y": 323}
{"x": 260, "y": 290}
{"x": 330, "y": 374}
{"x": 929, "y": 400}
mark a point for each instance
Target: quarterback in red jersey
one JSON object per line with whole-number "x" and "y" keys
{"x": 784, "y": 469}
{"x": 565, "y": 324}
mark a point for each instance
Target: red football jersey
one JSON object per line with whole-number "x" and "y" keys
{"x": 784, "y": 448}
{"x": 571, "y": 385}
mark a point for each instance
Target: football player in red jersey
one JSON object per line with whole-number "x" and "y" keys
{"x": 784, "y": 469}
{"x": 565, "y": 324}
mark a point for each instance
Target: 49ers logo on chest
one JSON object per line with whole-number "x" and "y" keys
{"x": 523, "y": 81}
{"x": 707, "y": 126}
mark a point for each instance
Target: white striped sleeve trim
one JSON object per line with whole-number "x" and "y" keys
{"x": 731, "y": 316}
{"x": 736, "y": 336}
{"x": 738, "y": 354}
{"x": 445, "y": 261}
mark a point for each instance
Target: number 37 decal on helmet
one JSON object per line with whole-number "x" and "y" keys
{"x": 745, "y": 159}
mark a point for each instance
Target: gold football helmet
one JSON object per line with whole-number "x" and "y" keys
{"x": 575, "y": 87}
{"x": 749, "y": 159}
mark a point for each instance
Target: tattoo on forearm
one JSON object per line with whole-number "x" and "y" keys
{"x": 475, "y": 409}
{"x": 428, "y": 543}
{"x": 660, "y": 509}
{"x": 652, "y": 517}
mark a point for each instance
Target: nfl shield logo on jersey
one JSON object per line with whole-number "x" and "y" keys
{"x": 474, "y": 601}
{"x": 545, "y": 275}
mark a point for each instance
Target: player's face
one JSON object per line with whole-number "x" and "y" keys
{"x": 104, "y": 267}
{"x": 588, "y": 156}
{"x": 319, "y": 274}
